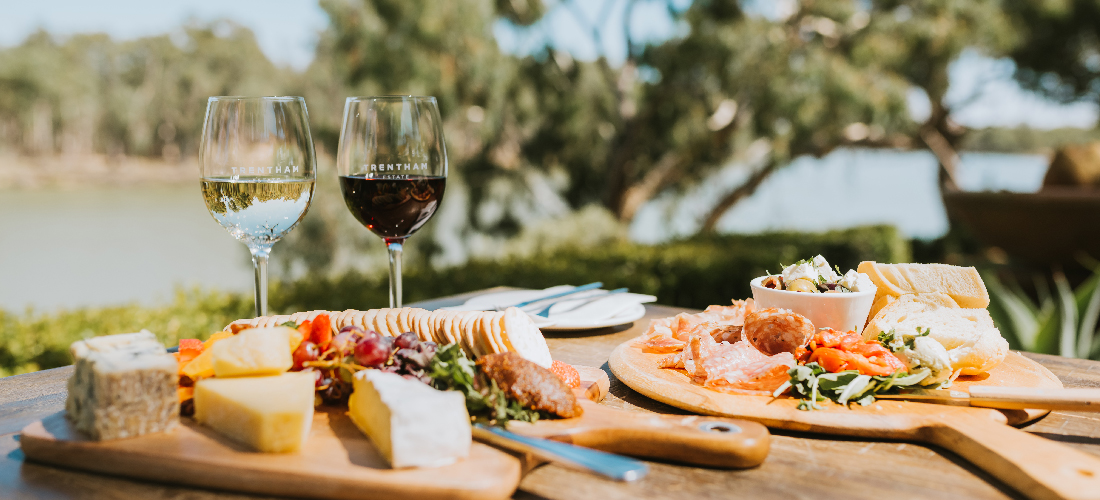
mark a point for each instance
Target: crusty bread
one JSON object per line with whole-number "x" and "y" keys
{"x": 963, "y": 284}
{"x": 972, "y": 341}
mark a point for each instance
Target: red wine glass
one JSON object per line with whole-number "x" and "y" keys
{"x": 392, "y": 162}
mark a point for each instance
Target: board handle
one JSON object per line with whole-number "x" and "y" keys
{"x": 712, "y": 442}
{"x": 1037, "y": 467}
{"x": 1018, "y": 398}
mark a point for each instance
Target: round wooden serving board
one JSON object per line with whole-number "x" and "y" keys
{"x": 1036, "y": 466}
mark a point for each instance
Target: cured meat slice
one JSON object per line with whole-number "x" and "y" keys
{"x": 659, "y": 337}
{"x": 774, "y": 330}
{"x": 738, "y": 367}
{"x": 669, "y": 335}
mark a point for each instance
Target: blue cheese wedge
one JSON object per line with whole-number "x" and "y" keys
{"x": 411, "y": 424}
{"x": 122, "y": 386}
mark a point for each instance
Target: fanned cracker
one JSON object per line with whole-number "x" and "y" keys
{"x": 341, "y": 319}
{"x": 436, "y": 320}
{"x": 445, "y": 331}
{"x": 277, "y": 320}
{"x": 424, "y": 326}
{"x": 456, "y": 331}
{"x": 366, "y": 320}
{"x": 498, "y": 327}
{"x": 522, "y": 336}
{"x": 466, "y": 331}
{"x": 378, "y": 323}
{"x": 413, "y": 319}
{"x": 391, "y": 322}
{"x": 486, "y": 332}
{"x": 402, "y": 319}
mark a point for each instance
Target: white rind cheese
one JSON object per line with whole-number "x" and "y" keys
{"x": 122, "y": 386}
{"x": 411, "y": 424}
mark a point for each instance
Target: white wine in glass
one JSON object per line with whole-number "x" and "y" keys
{"x": 258, "y": 170}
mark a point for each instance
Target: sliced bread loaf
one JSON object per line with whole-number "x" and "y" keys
{"x": 963, "y": 284}
{"x": 972, "y": 341}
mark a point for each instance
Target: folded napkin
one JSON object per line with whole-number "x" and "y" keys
{"x": 573, "y": 311}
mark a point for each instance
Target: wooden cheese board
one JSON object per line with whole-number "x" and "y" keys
{"x": 339, "y": 462}
{"x": 1037, "y": 467}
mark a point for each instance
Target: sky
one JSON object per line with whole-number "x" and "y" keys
{"x": 287, "y": 31}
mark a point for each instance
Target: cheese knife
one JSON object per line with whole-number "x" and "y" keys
{"x": 609, "y": 465}
{"x": 1006, "y": 398}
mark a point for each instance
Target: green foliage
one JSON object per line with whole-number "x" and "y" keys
{"x": 146, "y": 97}
{"x": 37, "y": 341}
{"x": 1062, "y": 323}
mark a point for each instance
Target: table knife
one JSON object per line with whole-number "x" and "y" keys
{"x": 1006, "y": 398}
{"x": 609, "y": 465}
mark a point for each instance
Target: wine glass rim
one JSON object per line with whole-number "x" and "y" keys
{"x": 390, "y": 97}
{"x": 256, "y": 98}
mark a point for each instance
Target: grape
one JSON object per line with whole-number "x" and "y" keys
{"x": 428, "y": 348}
{"x": 407, "y": 340}
{"x": 372, "y": 351}
{"x": 345, "y": 341}
{"x": 413, "y": 357}
{"x": 306, "y": 351}
{"x": 353, "y": 328}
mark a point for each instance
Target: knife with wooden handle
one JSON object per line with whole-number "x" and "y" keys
{"x": 1007, "y": 398}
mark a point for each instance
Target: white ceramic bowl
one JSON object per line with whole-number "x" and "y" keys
{"x": 840, "y": 311}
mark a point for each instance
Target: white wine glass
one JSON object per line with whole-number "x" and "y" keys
{"x": 258, "y": 169}
{"x": 392, "y": 162}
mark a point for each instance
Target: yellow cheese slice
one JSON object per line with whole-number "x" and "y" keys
{"x": 271, "y": 414}
{"x": 258, "y": 351}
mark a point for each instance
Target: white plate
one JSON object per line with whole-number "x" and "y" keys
{"x": 616, "y": 309}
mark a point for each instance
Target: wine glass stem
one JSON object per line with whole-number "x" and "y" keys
{"x": 395, "y": 272}
{"x": 259, "y": 262}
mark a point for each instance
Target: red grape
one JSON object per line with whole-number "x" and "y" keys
{"x": 407, "y": 340}
{"x": 345, "y": 341}
{"x": 372, "y": 351}
{"x": 306, "y": 351}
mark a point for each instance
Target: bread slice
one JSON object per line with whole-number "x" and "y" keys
{"x": 963, "y": 284}
{"x": 972, "y": 341}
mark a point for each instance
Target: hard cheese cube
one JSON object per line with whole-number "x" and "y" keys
{"x": 122, "y": 386}
{"x": 259, "y": 351}
{"x": 411, "y": 424}
{"x": 271, "y": 414}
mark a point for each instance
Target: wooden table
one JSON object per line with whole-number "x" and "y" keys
{"x": 799, "y": 466}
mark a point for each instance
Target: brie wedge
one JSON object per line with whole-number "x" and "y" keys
{"x": 411, "y": 424}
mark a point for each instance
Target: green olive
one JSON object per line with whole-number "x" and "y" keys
{"x": 802, "y": 285}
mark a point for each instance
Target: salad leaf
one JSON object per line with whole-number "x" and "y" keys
{"x": 290, "y": 324}
{"x": 451, "y": 370}
{"x": 812, "y": 384}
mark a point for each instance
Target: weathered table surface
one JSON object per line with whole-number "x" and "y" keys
{"x": 799, "y": 466}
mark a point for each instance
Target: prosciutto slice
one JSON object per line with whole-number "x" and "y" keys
{"x": 737, "y": 368}
{"x": 722, "y": 323}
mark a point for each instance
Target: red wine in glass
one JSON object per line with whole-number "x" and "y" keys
{"x": 393, "y": 207}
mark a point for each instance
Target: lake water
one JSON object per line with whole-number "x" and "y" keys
{"x": 109, "y": 246}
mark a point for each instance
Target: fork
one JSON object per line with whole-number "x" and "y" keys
{"x": 545, "y": 313}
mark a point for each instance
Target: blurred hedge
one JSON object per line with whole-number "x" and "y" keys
{"x": 690, "y": 273}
